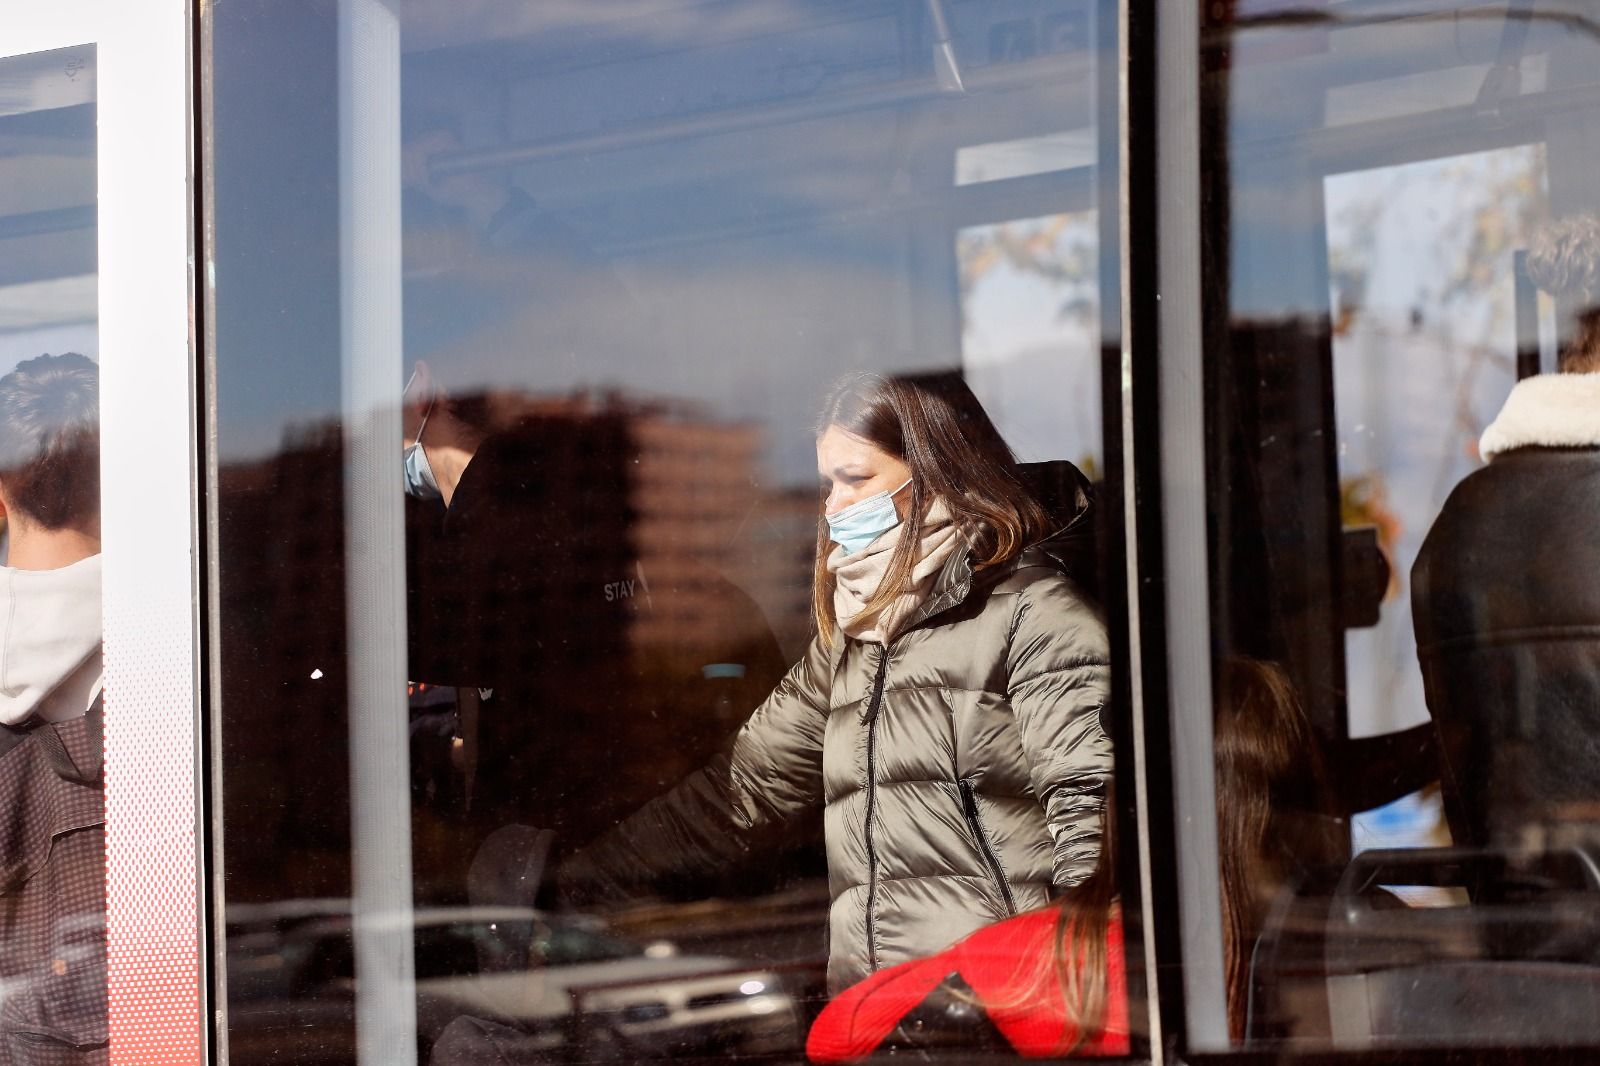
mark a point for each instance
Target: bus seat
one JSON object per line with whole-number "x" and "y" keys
{"x": 1518, "y": 958}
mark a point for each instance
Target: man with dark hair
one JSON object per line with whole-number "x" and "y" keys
{"x": 52, "y": 813}
{"x": 50, "y": 454}
{"x": 1506, "y": 609}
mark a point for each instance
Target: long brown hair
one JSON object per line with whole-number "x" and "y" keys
{"x": 1081, "y": 960}
{"x": 1272, "y": 792}
{"x": 934, "y": 424}
{"x": 1272, "y": 789}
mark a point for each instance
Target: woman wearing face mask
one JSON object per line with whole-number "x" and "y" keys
{"x": 947, "y": 717}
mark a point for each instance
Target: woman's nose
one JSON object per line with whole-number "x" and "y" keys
{"x": 835, "y": 502}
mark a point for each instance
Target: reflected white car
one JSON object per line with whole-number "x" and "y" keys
{"x": 547, "y": 981}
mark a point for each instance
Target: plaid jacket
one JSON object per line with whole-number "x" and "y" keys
{"x": 52, "y": 894}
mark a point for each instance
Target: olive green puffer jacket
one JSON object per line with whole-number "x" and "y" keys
{"x": 961, "y": 769}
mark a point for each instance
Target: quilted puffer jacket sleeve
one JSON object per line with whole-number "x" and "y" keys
{"x": 1059, "y": 686}
{"x": 766, "y": 779}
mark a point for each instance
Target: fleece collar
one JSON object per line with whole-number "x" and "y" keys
{"x": 1546, "y": 411}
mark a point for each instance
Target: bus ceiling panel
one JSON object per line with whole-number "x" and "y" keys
{"x": 850, "y": 175}
{"x": 1076, "y": 68}
{"x": 559, "y": 37}
{"x": 694, "y": 56}
{"x": 1419, "y": 55}
{"x": 875, "y": 163}
{"x": 601, "y": 87}
{"x": 1429, "y": 135}
{"x": 1412, "y": 36}
{"x": 1053, "y": 193}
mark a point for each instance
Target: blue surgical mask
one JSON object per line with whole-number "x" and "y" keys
{"x": 864, "y": 521}
{"x": 420, "y": 481}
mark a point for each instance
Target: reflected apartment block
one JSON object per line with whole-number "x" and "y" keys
{"x": 692, "y": 488}
{"x": 666, "y": 573}
{"x": 777, "y": 552}
{"x": 683, "y": 491}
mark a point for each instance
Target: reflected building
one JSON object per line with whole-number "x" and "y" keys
{"x": 629, "y": 583}
{"x": 287, "y": 798}
{"x": 778, "y": 550}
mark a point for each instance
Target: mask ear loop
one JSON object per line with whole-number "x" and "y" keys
{"x": 424, "y": 423}
{"x": 431, "y": 400}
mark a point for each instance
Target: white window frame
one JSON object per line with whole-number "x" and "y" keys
{"x": 155, "y": 937}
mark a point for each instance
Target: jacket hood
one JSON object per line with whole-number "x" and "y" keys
{"x": 49, "y": 641}
{"x": 1068, "y": 498}
{"x": 1546, "y": 411}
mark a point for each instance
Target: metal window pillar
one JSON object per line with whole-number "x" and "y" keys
{"x": 1168, "y": 573}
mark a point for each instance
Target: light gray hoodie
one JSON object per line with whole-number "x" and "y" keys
{"x": 50, "y": 659}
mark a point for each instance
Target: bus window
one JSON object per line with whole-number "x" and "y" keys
{"x": 1399, "y": 303}
{"x": 558, "y": 527}
{"x": 53, "y": 838}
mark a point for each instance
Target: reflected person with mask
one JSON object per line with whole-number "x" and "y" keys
{"x": 454, "y": 444}
{"x": 520, "y": 520}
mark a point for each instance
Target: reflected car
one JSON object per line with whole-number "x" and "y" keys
{"x": 550, "y": 983}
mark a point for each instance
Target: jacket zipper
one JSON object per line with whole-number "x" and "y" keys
{"x": 969, "y": 807}
{"x": 873, "y": 704}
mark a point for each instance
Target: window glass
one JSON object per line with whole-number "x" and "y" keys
{"x": 1399, "y": 291}
{"x": 537, "y": 714}
{"x": 52, "y": 840}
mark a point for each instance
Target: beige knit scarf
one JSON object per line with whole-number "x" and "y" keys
{"x": 857, "y": 577}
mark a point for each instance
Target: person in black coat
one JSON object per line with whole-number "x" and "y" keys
{"x": 527, "y": 592}
{"x": 1504, "y": 600}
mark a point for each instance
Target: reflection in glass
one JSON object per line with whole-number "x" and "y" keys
{"x": 1375, "y": 176}
{"x": 1424, "y": 306}
{"x": 634, "y": 247}
{"x": 1030, "y": 333}
{"x": 52, "y": 835}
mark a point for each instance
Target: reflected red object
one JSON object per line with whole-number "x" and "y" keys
{"x": 1008, "y": 967}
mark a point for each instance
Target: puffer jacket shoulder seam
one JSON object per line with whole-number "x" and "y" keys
{"x": 941, "y": 781}
{"x": 931, "y": 688}
{"x": 1066, "y": 668}
{"x": 923, "y": 780}
{"x": 983, "y": 878}
{"x": 947, "y": 875}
